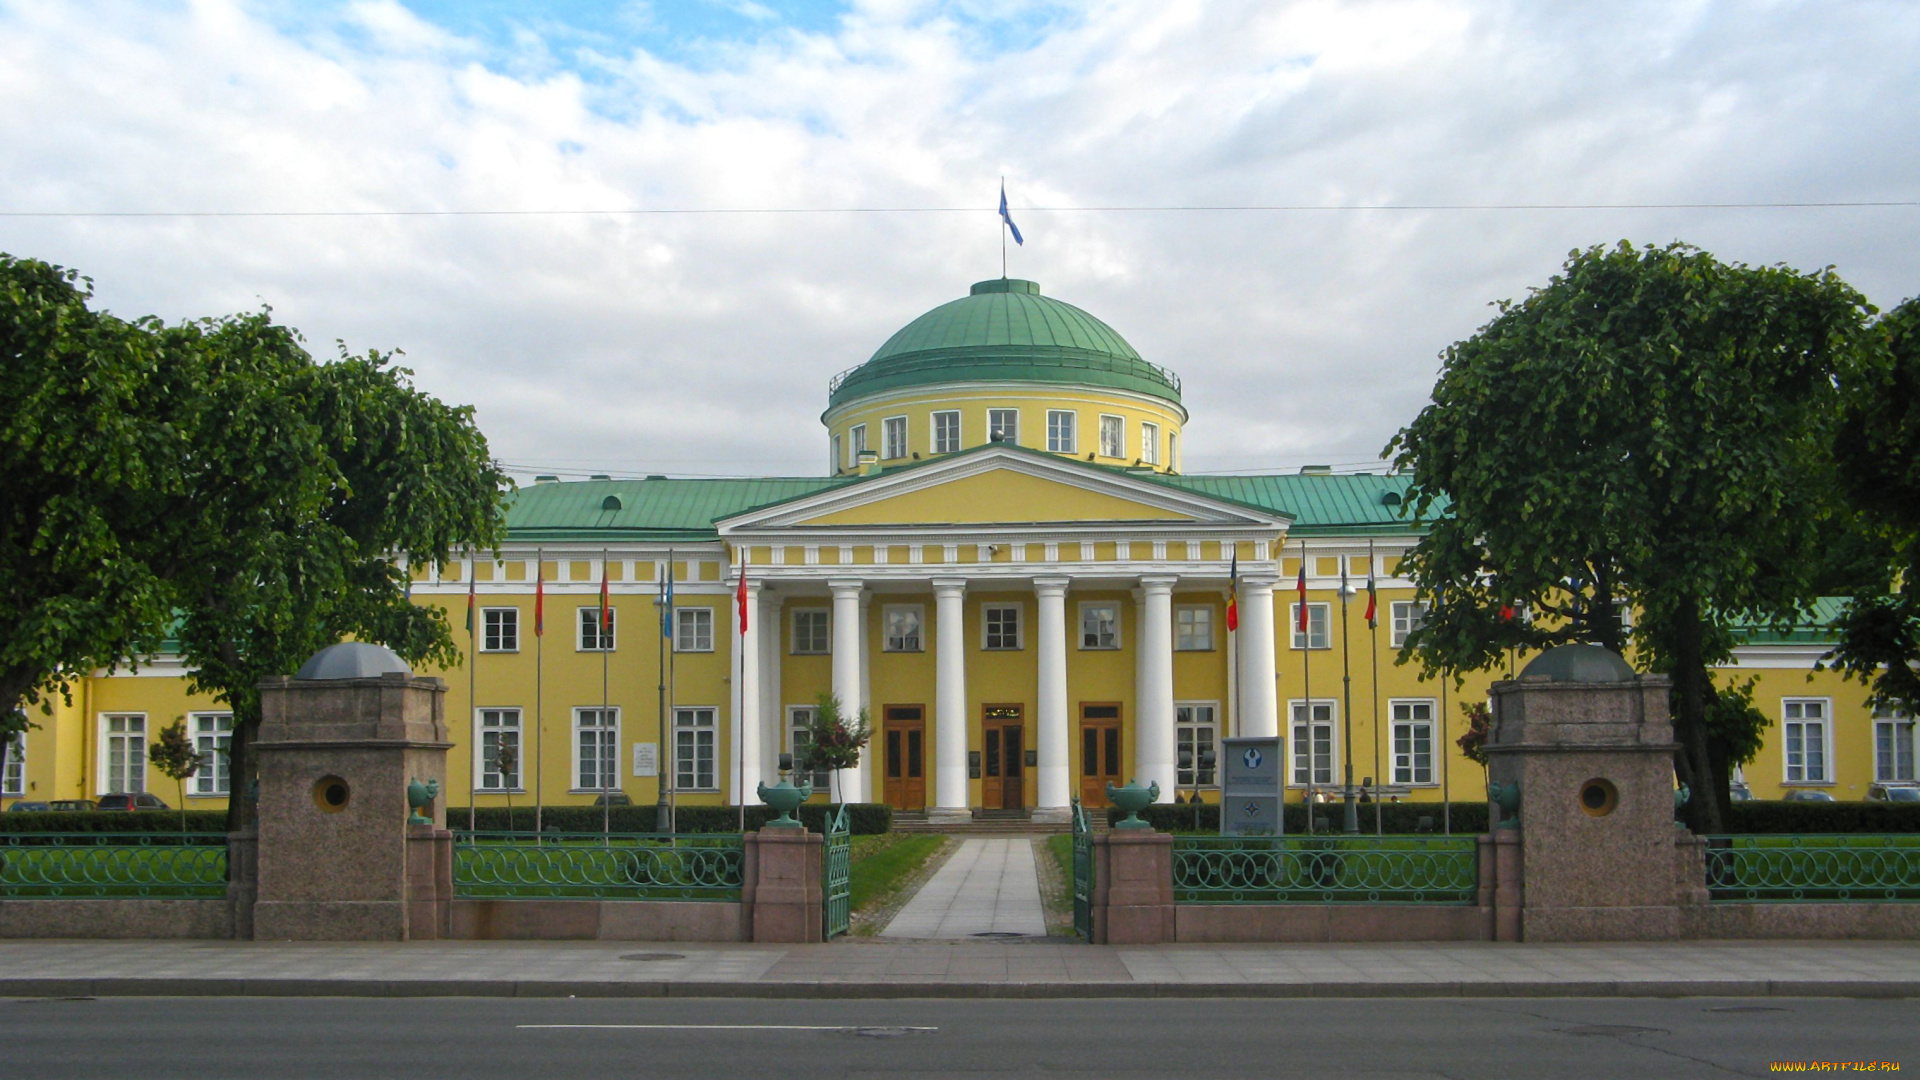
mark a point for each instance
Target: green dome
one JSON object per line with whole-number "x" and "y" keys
{"x": 1005, "y": 331}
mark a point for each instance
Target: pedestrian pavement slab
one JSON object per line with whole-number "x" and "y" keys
{"x": 987, "y": 887}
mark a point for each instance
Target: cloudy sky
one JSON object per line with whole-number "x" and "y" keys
{"x": 480, "y": 183}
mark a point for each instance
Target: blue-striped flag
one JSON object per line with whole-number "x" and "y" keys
{"x": 1008, "y": 218}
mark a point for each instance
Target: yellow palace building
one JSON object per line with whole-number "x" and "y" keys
{"x": 1003, "y": 564}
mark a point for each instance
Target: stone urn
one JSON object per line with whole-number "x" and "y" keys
{"x": 1133, "y": 798}
{"x": 1507, "y": 798}
{"x": 419, "y": 797}
{"x": 785, "y": 798}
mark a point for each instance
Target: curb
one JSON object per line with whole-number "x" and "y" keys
{"x": 398, "y": 988}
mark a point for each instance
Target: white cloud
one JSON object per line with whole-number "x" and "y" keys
{"x": 702, "y": 344}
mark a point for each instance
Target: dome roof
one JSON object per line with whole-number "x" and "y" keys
{"x": 353, "y": 660}
{"x": 1005, "y": 331}
{"x": 1578, "y": 663}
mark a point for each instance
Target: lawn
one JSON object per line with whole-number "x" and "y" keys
{"x": 1253, "y": 870}
{"x": 881, "y": 866}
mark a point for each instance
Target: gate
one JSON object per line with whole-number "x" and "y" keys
{"x": 837, "y": 874}
{"x": 1082, "y": 872}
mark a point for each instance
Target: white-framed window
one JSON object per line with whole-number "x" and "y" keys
{"x": 800, "y": 720}
{"x": 694, "y": 733}
{"x": 1317, "y": 636}
{"x": 1003, "y": 425}
{"x": 812, "y": 632}
{"x": 903, "y": 625}
{"x": 1099, "y": 624}
{"x": 123, "y": 745}
{"x": 833, "y": 457}
{"x": 1893, "y": 745}
{"x": 856, "y": 442}
{"x": 946, "y": 432}
{"x": 593, "y": 636}
{"x": 1113, "y": 436}
{"x": 1412, "y": 742}
{"x": 499, "y": 730}
{"x": 14, "y": 780}
{"x": 1312, "y": 743}
{"x": 1408, "y": 616}
{"x": 1193, "y": 627}
{"x": 1149, "y": 443}
{"x": 893, "y": 431}
{"x": 1808, "y": 745}
{"x": 1060, "y": 431}
{"x": 1623, "y": 615}
{"x": 1196, "y": 743}
{"x": 499, "y": 629}
{"x": 596, "y": 749}
{"x": 1173, "y": 450}
{"x": 213, "y": 738}
{"x": 1000, "y": 625}
{"x": 692, "y": 629}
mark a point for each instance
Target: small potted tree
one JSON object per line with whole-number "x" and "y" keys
{"x": 504, "y": 762}
{"x": 834, "y": 741}
{"x": 173, "y": 754}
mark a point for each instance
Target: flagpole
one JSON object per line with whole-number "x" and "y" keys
{"x": 606, "y": 653}
{"x": 1446, "y": 789}
{"x": 673, "y": 656}
{"x": 1373, "y": 641}
{"x": 1304, "y": 624}
{"x": 539, "y": 672}
{"x": 740, "y": 689}
{"x": 1003, "y": 232}
{"x": 1350, "y": 811}
{"x": 473, "y": 706}
{"x": 660, "y": 656}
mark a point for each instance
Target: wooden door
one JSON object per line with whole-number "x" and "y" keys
{"x": 1099, "y": 752}
{"x": 904, "y": 756}
{"x": 1004, "y": 776}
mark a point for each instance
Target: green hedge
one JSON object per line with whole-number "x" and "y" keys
{"x": 96, "y": 821}
{"x": 862, "y": 818}
{"x": 1395, "y": 818}
{"x": 1775, "y": 816}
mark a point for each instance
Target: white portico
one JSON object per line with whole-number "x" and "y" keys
{"x": 1007, "y": 619}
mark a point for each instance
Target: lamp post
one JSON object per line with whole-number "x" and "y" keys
{"x": 1350, "y": 811}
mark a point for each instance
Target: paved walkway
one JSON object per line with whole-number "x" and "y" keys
{"x": 1020, "y": 968}
{"x": 987, "y": 887}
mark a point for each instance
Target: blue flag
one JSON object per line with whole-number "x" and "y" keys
{"x": 1008, "y": 218}
{"x": 666, "y": 598}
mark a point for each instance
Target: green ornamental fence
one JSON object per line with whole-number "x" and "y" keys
{"x": 1082, "y": 872}
{"x": 118, "y": 865}
{"x": 837, "y": 874}
{"x": 616, "y": 866}
{"x": 1285, "y": 870}
{"x": 1841, "y": 868}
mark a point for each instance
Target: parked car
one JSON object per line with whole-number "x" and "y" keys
{"x": 1740, "y": 793}
{"x": 1895, "y": 793}
{"x": 24, "y": 806}
{"x": 1807, "y": 795}
{"x": 74, "y": 805}
{"x": 139, "y": 800}
{"x": 613, "y": 798}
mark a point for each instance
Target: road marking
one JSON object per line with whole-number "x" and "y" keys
{"x": 706, "y": 1027}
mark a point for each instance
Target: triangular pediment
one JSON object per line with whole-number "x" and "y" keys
{"x": 998, "y": 486}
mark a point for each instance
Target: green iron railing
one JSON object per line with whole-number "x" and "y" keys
{"x": 1082, "y": 872}
{"x": 837, "y": 874}
{"x": 616, "y": 866}
{"x": 1841, "y": 868}
{"x": 1324, "y": 870}
{"x": 160, "y": 865}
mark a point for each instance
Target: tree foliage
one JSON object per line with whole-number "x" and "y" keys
{"x": 835, "y": 740}
{"x": 1652, "y": 426}
{"x": 1878, "y": 446}
{"x": 211, "y": 481}
{"x": 173, "y": 754}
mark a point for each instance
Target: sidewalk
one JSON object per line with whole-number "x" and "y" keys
{"x": 988, "y": 888}
{"x": 1035, "y": 968}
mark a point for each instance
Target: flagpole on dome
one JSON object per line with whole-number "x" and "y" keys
{"x": 1007, "y": 226}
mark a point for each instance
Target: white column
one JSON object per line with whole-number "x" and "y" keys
{"x": 746, "y": 751}
{"x": 1259, "y": 699}
{"x": 1153, "y": 742}
{"x": 773, "y": 714}
{"x": 950, "y": 697}
{"x": 1050, "y": 633}
{"x": 846, "y": 665}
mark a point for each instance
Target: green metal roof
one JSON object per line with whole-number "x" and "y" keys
{"x": 648, "y": 509}
{"x": 1817, "y": 627}
{"x": 1319, "y": 503}
{"x": 1004, "y": 330}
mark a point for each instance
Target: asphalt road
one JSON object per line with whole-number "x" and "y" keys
{"x": 738, "y": 1039}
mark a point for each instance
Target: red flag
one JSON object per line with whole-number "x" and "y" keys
{"x": 472, "y": 565}
{"x": 1301, "y": 586}
{"x": 1372, "y": 599}
{"x": 1233, "y": 591}
{"x": 606, "y": 608}
{"x": 740, "y": 593}
{"x": 539, "y": 597}
{"x": 1506, "y": 612}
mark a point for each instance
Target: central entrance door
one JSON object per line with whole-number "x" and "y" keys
{"x": 1004, "y": 779}
{"x": 904, "y": 743}
{"x": 1099, "y": 752}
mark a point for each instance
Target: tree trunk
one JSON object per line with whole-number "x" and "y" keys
{"x": 1705, "y": 811}
{"x": 240, "y": 808}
